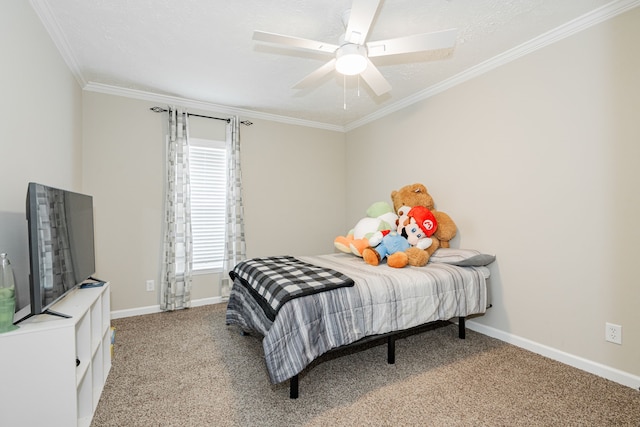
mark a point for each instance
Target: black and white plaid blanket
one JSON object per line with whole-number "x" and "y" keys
{"x": 279, "y": 279}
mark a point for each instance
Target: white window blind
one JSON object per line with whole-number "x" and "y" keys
{"x": 208, "y": 173}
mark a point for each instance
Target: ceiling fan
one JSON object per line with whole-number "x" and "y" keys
{"x": 352, "y": 53}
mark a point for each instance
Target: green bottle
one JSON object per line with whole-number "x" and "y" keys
{"x": 7, "y": 295}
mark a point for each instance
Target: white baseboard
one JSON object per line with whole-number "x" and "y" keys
{"x": 595, "y": 368}
{"x": 118, "y": 314}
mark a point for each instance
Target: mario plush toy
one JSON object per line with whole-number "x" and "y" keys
{"x": 415, "y": 230}
{"x": 418, "y": 227}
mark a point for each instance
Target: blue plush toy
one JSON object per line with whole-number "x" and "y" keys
{"x": 391, "y": 246}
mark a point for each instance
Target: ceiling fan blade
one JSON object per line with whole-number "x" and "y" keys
{"x": 416, "y": 43}
{"x": 360, "y": 19}
{"x": 316, "y": 75}
{"x": 375, "y": 79}
{"x": 291, "y": 41}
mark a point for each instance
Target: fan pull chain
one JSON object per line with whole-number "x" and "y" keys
{"x": 344, "y": 92}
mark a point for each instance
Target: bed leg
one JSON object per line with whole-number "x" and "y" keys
{"x": 293, "y": 387}
{"x": 461, "y": 329}
{"x": 391, "y": 350}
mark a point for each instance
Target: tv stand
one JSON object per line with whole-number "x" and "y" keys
{"x": 55, "y": 313}
{"x": 53, "y": 368}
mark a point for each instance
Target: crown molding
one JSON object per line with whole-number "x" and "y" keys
{"x": 570, "y": 28}
{"x": 205, "y": 106}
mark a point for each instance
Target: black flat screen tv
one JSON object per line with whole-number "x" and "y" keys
{"x": 61, "y": 244}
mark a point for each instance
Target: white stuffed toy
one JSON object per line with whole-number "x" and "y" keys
{"x": 380, "y": 217}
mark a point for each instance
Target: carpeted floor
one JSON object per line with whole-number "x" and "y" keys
{"x": 187, "y": 368}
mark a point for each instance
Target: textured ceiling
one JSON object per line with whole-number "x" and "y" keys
{"x": 202, "y": 50}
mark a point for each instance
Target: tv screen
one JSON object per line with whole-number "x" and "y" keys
{"x": 61, "y": 248}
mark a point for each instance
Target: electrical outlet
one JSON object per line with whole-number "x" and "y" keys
{"x": 613, "y": 333}
{"x": 151, "y": 285}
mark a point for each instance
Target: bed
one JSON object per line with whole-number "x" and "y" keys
{"x": 356, "y": 302}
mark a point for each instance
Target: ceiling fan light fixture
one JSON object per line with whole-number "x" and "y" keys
{"x": 351, "y": 59}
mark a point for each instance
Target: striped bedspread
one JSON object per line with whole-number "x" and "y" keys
{"x": 383, "y": 299}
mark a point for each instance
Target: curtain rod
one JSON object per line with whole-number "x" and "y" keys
{"x": 163, "y": 110}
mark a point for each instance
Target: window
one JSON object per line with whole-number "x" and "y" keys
{"x": 208, "y": 174}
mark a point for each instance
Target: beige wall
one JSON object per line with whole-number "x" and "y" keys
{"x": 293, "y": 181}
{"x": 537, "y": 162}
{"x": 40, "y": 118}
{"x": 294, "y": 185}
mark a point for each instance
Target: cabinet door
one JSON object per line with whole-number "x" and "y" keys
{"x": 39, "y": 377}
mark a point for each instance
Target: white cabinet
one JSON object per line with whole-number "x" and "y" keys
{"x": 53, "y": 369}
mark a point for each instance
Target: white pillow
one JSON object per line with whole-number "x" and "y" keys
{"x": 461, "y": 257}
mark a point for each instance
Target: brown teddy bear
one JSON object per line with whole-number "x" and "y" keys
{"x": 417, "y": 195}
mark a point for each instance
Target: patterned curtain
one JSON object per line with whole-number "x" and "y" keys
{"x": 235, "y": 250}
{"x": 175, "y": 290}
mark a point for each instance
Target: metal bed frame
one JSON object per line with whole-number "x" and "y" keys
{"x": 391, "y": 345}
